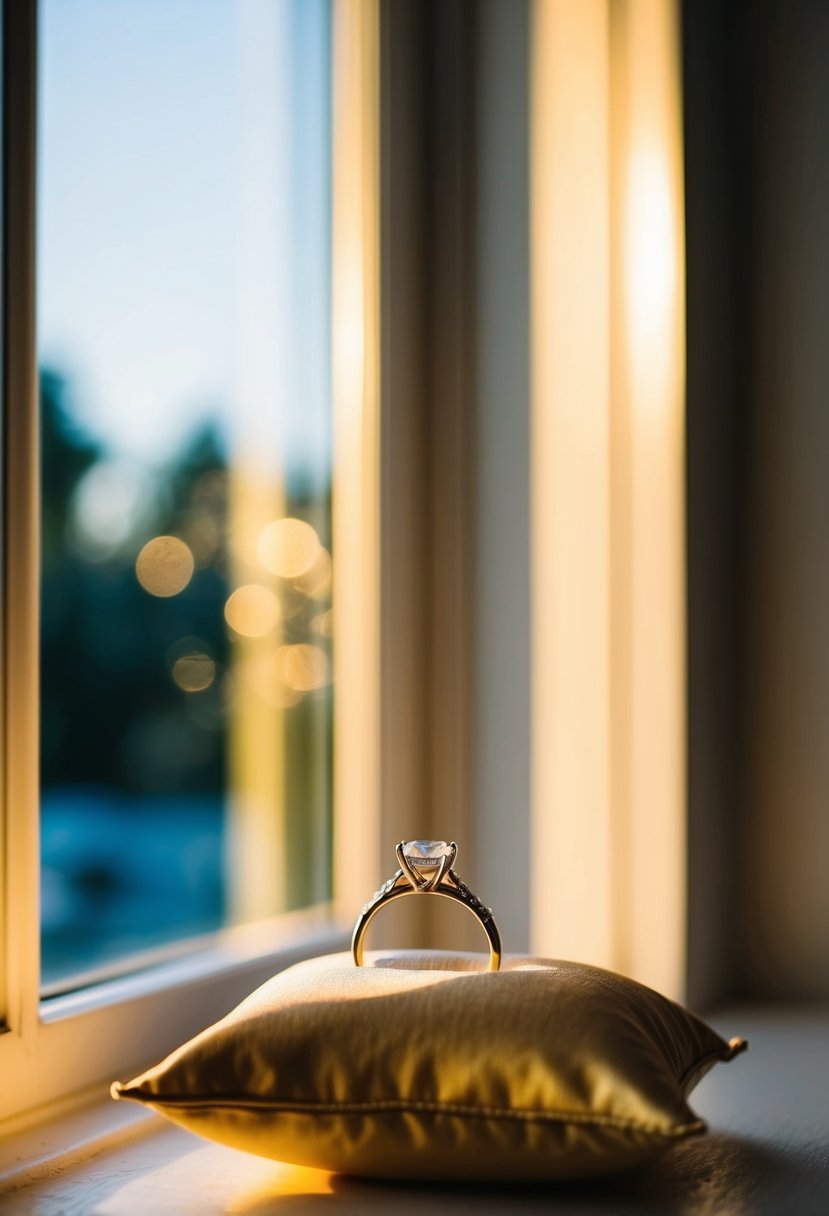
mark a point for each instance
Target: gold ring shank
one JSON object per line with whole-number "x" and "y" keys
{"x": 397, "y": 892}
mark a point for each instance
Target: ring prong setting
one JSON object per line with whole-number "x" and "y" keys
{"x": 425, "y": 862}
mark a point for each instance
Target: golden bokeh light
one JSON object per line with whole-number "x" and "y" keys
{"x": 194, "y": 672}
{"x": 316, "y": 581}
{"x": 252, "y": 610}
{"x": 164, "y": 566}
{"x": 272, "y": 688}
{"x": 288, "y": 547}
{"x": 302, "y": 666}
{"x": 324, "y": 623}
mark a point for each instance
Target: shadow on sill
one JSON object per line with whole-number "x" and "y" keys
{"x": 715, "y": 1173}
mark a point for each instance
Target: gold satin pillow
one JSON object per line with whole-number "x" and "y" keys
{"x": 418, "y": 1066}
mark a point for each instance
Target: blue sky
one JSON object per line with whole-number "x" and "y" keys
{"x": 183, "y": 194}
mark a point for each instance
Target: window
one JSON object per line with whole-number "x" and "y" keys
{"x": 183, "y": 329}
{"x": 219, "y": 530}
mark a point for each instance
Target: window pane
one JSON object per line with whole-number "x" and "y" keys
{"x": 183, "y": 318}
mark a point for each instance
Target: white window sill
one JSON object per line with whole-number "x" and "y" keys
{"x": 767, "y": 1152}
{"x": 55, "y": 1149}
{"x": 140, "y": 1164}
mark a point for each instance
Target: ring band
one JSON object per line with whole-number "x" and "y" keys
{"x": 426, "y": 869}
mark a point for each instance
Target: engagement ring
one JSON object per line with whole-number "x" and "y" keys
{"x": 426, "y": 869}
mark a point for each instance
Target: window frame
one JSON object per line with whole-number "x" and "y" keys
{"x": 59, "y": 1052}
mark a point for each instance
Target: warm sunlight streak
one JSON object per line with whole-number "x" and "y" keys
{"x": 256, "y": 865}
{"x": 608, "y": 410}
{"x": 235, "y": 1182}
{"x": 356, "y": 386}
{"x": 571, "y": 425}
{"x": 649, "y": 389}
{"x": 349, "y": 333}
{"x": 651, "y": 251}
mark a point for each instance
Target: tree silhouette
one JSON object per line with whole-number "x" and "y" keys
{"x": 112, "y": 714}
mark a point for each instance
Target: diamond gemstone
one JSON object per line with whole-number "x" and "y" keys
{"x": 423, "y": 853}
